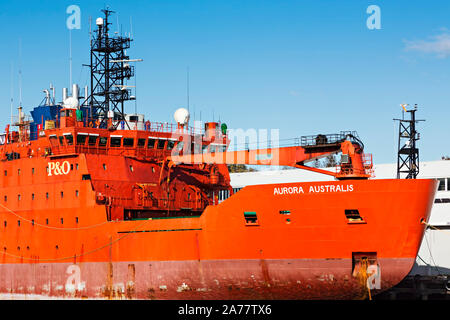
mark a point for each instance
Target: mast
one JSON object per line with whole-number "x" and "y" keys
{"x": 109, "y": 72}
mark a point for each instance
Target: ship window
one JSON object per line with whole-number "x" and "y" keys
{"x": 170, "y": 144}
{"x": 62, "y": 194}
{"x": 285, "y": 212}
{"x": 103, "y": 141}
{"x": 250, "y": 218}
{"x": 212, "y": 149}
{"x": 128, "y": 142}
{"x": 141, "y": 143}
{"x": 161, "y": 144}
{"x": 81, "y": 139}
{"x": 32, "y": 170}
{"x": 46, "y": 221}
{"x": 151, "y": 143}
{"x": 32, "y": 196}
{"x": 441, "y": 184}
{"x": 76, "y": 193}
{"x": 76, "y": 219}
{"x": 104, "y": 166}
{"x": 61, "y": 140}
{"x": 131, "y": 168}
{"x": 353, "y": 216}
{"x": 6, "y": 173}
{"x": 205, "y": 148}
{"x": 448, "y": 184}
{"x": 18, "y": 172}
{"x": 18, "y": 197}
{"x": 71, "y": 166}
{"x": 115, "y": 142}
{"x": 62, "y": 220}
{"x": 6, "y": 198}
{"x": 86, "y": 177}
{"x": 92, "y": 141}
{"x": 69, "y": 139}
{"x": 18, "y": 224}
{"x": 32, "y": 222}
{"x": 46, "y": 195}
{"x": 5, "y": 223}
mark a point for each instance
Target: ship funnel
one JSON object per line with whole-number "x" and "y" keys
{"x": 75, "y": 91}
{"x": 64, "y": 94}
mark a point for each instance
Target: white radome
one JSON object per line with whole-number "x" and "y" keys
{"x": 71, "y": 102}
{"x": 99, "y": 21}
{"x": 181, "y": 116}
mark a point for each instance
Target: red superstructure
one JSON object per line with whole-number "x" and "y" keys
{"x": 90, "y": 208}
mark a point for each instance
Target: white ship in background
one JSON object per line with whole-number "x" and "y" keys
{"x": 434, "y": 253}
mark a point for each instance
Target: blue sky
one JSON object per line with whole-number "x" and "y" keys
{"x": 304, "y": 67}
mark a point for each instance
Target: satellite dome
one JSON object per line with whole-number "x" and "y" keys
{"x": 181, "y": 116}
{"x": 99, "y": 21}
{"x": 71, "y": 102}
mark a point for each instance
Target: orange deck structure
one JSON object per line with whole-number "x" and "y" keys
{"x": 88, "y": 210}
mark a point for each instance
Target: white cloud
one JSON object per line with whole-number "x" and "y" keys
{"x": 439, "y": 45}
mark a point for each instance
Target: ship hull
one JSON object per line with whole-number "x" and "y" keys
{"x": 264, "y": 242}
{"x": 180, "y": 280}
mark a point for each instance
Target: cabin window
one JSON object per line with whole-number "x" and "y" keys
{"x": 32, "y": 196}
{"x": 161, "y": 144}
{"x": 115, "y": 142}
{"x": 441, "y": 184}
{"x": 76, "y": 219}
{"x": 222, "y": 148}
{"x": 141, "y": 143}
{"x": 128, "y": 142}
{"x": 62, "y": 194}
{"x": 46, "y": 221}
{"x": 131, "y": 168}
{"x": 32, "y": 170}
{"x": 92, "y": 141}
{"x": 134, "y": 118}
{"x": 76, "y": 193}
{"x": 18, "y": 197}
{"x": 205, "y": 148}
{"x": 212, "y": 149}
{"x": 81, "y": 139}
{"x": 53, "y": 140}
{"x": 61, "y": 140}
{"x": 151, "y": 143}
{"x": 69, "y": 139}
{"x": 46, "y": 195}
{"x": 103, "y": 141}
{"x": 104, "y": 166}
{"x": 170, "y": 144}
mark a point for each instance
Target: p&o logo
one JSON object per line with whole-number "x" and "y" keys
{"x": 56, "y": 168}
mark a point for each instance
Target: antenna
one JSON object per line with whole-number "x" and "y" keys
{"x": 20, "y": 72}
{"x": 70, "y": 58}
{"x": 187, "y": 87}
{"x": 12, "y": 90}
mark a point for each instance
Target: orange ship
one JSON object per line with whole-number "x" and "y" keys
{"x": 89, "y": 209}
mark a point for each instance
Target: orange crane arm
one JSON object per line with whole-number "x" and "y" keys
{"x": 294, "y": 156}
